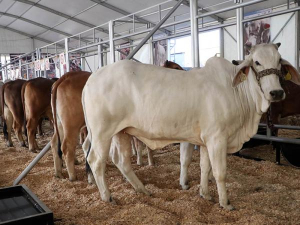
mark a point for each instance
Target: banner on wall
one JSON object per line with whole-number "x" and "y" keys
{"x": 62, "y": 58}
{"x": 47, "y": 64}
{"x": 75, "y": 62}
{"x": 160, "y": 52}
{"x": 124, "y": 50}
{"x": 37, "y": 65}
{"x": 257, "y": 31}
{"x": 42, "y": 63}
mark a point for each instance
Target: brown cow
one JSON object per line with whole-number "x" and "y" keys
{"x": 11, "y": 104}
{"x": 68, "y": 119}
{"x": 138, "y": 146}
{"x": 36, "y": 97}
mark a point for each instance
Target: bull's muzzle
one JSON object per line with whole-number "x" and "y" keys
{"x": 277, "y": 95}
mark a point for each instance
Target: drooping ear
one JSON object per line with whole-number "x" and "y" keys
{"x": 292, "y": 74}
{"x": 242, "y": 73}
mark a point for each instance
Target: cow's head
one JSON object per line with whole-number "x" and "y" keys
{"x": 268, "y": 68}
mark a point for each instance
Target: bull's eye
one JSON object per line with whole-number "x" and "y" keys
{"x": 257, "y": 63}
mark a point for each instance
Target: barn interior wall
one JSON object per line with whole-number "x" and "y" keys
{"x": 286, "y": 38}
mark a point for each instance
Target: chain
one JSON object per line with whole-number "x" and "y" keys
{"x": 269, "y": 120}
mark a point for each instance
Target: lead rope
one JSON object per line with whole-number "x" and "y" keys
{"x": 270, "y": 123}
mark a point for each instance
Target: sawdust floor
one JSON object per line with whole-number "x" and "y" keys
{"x": 262, "y": 192}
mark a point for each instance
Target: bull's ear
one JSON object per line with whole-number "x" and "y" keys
{"x": 242, "y": 73}
{"x": 278, "y": 44}
{"x": 292, "y": 74}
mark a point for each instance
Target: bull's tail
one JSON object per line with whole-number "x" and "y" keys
{"x": 5, "y": 133}
{"x": 89, "y": 136}
{"x": 53, "y": 105}
{"x": 23, "y": 104}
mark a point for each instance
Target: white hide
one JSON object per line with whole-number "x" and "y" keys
{"x": 161, "y": 106}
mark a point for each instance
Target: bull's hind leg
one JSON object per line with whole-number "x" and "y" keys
{"x": 57, "y": 154}
{"x": 217, "y": 150}
{"x": 68, "y": 148}
{"x": 186, "y": 153}
{"x": 121, "y": 147}
{"x": 85, "y": 147}
{"x": 7, "y": 128}
{"x": 31, "y": 130}
{"x": 205, "y": 171}
{"x": 18, "y": 132}
{"x": 97, "y": 160}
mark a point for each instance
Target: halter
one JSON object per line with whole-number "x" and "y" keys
{"x": 267, "y": 72}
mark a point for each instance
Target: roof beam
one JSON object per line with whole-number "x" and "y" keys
{"x": 35, "y": 23}
{"x": 65, "y": 16}
{"x": 219, "y": 19}
{"x": 25, "y": 34}
{"x": 125, "y": 13}
{"x": 42, "y": 25}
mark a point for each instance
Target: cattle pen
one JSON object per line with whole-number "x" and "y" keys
{"x": 262, "y": 191}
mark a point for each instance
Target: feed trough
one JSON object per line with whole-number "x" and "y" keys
{"x": 291, "y": 152}
{"x": 18, "y": 205}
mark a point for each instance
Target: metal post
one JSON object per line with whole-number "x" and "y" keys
{"x": 82, "y": 62}
{"x": 111, "y": 41}
{"x": 194, "y": 33}
{"x": 100, "y": 55}
{"x": 222, "y": 42}
{"x": 20, "y": 67}
{"x": 67, "y": 54}
{"x": 36, "y": 58}
{"x": 32, "y": 164}
{"x": 239, "y": 30}
{"x": 157, "y": 26}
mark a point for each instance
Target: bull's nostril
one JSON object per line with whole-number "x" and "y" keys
{"x": 277, "y": 94}
{"x": 273, "y": 93}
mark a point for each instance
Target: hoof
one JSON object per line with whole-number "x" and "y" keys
{"x": 185, "y": 187}
{"x": 23, "y": 145}
{"x": 112, "y": 201}
{"x": 76, "y": 162}
{"x": 144, "y": 190}
{"x": 9, "y": 144}
{"x": 33, "y": 150}
{"x": 59, "y": 175}
{"x": 207, "y": 197}
{"x": 73, "y": 179}
{"x": 228, "y": 207}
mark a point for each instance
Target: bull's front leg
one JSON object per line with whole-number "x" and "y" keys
{"x": 186, "y": 153}
{"x": 217, "y": 151}
{"x": 205, "y": 173}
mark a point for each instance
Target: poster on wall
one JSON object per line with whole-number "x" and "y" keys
{"x": 37, "y": 65}
{"x": 160, "y": 52}
{"x": 47, "y": 64}
{"x": 126, "y": 51}
{"x": 257, "y": 31}
{"x": 75, "y": 62}
{"x": 62, "y": 58}
{"x": 42, "y": 63}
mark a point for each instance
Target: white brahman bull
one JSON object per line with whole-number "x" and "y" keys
{"x": 218, "y": 107}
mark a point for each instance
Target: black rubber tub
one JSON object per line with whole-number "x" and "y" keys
{"x": 19, "y": 206}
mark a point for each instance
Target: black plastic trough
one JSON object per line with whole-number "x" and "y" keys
{"x": 19, "y": 206}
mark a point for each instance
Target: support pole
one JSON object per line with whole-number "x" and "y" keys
{"x": 32, "y": 164}
{"x": 100, "y": 55}
{"x": 239, "y": 30}
{"x": 157, "y": 26}
{"x": 194, "y": 33}
{"x": 222, "y": 42}
{"x": 67, "y": 54}
{"x": 111, "y": 41}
